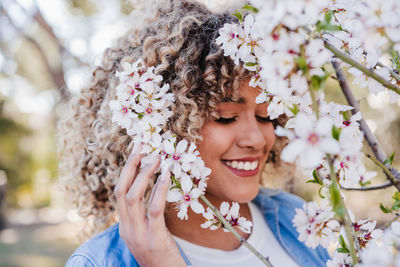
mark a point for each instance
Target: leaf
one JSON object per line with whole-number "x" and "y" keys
{"x": 335, "y": 200}
{"x": 342, "y": 243}
{"x": 336, "y": 132}
{"x": 175, "y": 181}
{"x": 238, "y": 15}
{"x": 389, "y": 160}
{"x": 316, "y": 177}
{"x": 326, "y": 24}
{"x": 320, "y": 194}
{"x": 250, "y": 8}
{"x": 251, "y": 64}
{"x": 342, "y": 250}
{"x": 396, "y": 196}
{"x": 384, "y": 209}
{"x": 395, "y": 60}
{"x": 301, "y": 63}
{"x": 294, "y": 109}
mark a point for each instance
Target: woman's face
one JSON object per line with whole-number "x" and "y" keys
{"x": 235, "y": 147}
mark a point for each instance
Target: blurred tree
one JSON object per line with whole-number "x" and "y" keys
{"x": 15, "y": 162}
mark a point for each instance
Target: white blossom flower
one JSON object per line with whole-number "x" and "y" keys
{"x": 316, "y": 224}
{"x": 231, "y": 36}
{"x": 339, "y": 260}
{"x": 178, "y": 157}
{"x": 122, "y": 113}
{"x": 311, "y": 142}
{"x": 230, "y": 214}
{"x": 185, "y": 196}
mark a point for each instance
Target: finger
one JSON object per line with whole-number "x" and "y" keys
{"x": 158, "y": 200}
{"x": 134, "y": 197}
{"x": 126, "y": 179}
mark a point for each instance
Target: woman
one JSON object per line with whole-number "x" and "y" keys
{"x": 214, "y": 107}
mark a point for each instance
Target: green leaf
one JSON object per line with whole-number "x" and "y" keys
{"x": 395, "y": 60}
{"x": 301, "y": 63}
{"x": 326, "y": 24}
{"x": 342, "y": 243}
{"x": 391, "y": 158}
{"x": 250, "y": 8}
{"x": 335, "y": 200}
{"x": 238, "y": 15}
{"x": 251, "y": 64}
{"x": 396, "y": 196}
{"x": 336, "y": 132}
{"x": 384, "y": 209}
{"x": 342, "y": 250}
{"x": 316, "y": 177}
{"x": 328, "y": 16}
{"x": 175, "y": 181}
{"x": 294, "y": 109}
{"x": 140, "y": 115}
{"x": 320, "y": 194}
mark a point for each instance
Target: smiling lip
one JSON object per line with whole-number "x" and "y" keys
{"x": 244, "y": 173}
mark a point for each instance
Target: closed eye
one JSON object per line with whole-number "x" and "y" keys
{"x": 226, "y": 120}
{"x": 263, "y": 119}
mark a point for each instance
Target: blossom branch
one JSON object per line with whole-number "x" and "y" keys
{"x": 388, "y": 173}
{"x": 346, "y": 58}
{"x": 369, "y": 136}
{"x": 369, "y": 188}
{"x": 229, "y": 227}
{"x": 342, "y": 212}
{"x": 393, "y": 73}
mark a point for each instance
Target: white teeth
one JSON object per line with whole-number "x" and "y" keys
{"x": 240, "y": 165}
{"x": 234, "y": 164}
{"x": 247, "y": 166}
{"x": 243, "y": 165}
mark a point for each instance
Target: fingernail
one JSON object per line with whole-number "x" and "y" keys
{"x": 165, "y": 173}
{"x": 136, "y": 147}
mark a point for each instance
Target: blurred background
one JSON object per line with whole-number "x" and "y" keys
{"x": 47, "y": 51}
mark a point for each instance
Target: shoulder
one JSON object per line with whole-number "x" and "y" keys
{"x": 105, "y": 249}
{"x": 279, "y": 198}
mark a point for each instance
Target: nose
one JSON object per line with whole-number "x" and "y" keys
{"x": 252, "y": 135}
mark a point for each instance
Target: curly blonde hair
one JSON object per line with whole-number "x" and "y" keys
{"x": 180, "y": 41}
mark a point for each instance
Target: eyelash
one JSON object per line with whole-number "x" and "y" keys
{"x": 233, "y": 119}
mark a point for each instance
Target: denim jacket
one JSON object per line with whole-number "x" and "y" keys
{"x": 278, "y": 208}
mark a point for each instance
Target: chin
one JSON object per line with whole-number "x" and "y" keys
{"x": 247, "y": 195}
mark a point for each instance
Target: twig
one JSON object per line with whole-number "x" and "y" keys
{"x": 229, "y": 227}
{"x": 346, "y": 58}
{"x": 394, "y": 74}
{"x": 369, "y": 188}
{"x": 343, "y": 213}
{"x": 389, "y": 175}
{"x": 368, "y": 135}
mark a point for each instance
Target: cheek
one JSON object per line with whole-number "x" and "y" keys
{"x": 269, "y": 136}
{"x": 216, "y": 140}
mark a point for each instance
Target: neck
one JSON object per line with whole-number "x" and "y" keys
{"x": 191, "y": 231}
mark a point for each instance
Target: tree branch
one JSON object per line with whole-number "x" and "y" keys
{"x": 57, "y": 74}
{"x": 346, "y": 58}
{"x": 368, "y": 135}
{"x": 229, "y": 227}
{"x": 369, "y": 188}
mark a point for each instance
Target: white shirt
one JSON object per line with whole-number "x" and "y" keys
{"x": 261, "y": 238}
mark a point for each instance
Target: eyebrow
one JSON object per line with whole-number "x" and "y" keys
{"x": 241, "y": 100}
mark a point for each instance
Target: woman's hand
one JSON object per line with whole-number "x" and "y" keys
{"x": 146, "y": 235}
